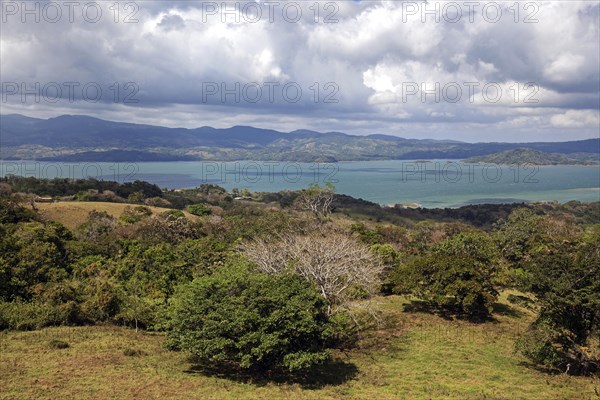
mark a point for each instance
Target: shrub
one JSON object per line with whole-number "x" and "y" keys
{"x": 537, "y": 345}
{"x": 199, "y": 209}
{"x": 135, "y": 197}
{"x": 158, "y": 202}
{"x": 129, "y": 352}
{"x": 172, "y": 214}
{"x": 20, "y": 315}
{"x": 344, "y": 331}
{"x": 131, "y": 215}
{"x": 98, "y": 225}
{"x": 58, "y": 344}
{"x": 250, "y": 321}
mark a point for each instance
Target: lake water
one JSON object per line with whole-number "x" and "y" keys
{"x": 436, "y": 183}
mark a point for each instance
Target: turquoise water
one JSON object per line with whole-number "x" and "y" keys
{"x": 436, "y": 183}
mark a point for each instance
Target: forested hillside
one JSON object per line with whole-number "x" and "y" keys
{"x": 82, "y": 138}
{"x": 527, "y": 156}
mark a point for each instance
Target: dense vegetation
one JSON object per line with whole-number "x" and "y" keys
{"x": 276, "y": 282}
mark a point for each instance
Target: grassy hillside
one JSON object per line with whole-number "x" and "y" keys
{"x": 86, "y": 291}
{"x": 73, "y": 213}
{"x": 411, "y": 356}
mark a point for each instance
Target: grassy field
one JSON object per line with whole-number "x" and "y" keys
{"x": 72, "y": 213}
{"x": 412, "y": 356}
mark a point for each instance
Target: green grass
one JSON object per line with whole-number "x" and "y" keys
{"x": 410, "y": 356}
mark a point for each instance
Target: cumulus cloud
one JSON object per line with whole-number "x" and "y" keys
{"x": 576, "y": 119}
{"x": 405, "y": 68}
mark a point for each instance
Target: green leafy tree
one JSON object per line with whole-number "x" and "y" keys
{"x": 516, "y": 235}
{"x": 34, "y": 253}
{"x": 13, "y": 211}
{"x": 137, "y": 306}
{"x": 135, "y": 197}
{"x": 566, "y": 279}
{"x": 460, "y": 273}
{"x": 236, "y": 318}
{"x": 525, "y": 234}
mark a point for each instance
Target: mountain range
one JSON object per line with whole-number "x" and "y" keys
{"x": 84, "y": 138}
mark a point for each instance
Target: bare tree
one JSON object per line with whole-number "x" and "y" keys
{"x": 338, "y": 265}
{"x": 317, "y": 199}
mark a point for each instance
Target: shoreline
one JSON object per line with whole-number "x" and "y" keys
{"x": 420, "y": 161}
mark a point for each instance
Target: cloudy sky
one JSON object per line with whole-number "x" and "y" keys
{"x": 473, "y": 71}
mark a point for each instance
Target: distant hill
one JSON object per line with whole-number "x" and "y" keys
{"x": 117, "y": 156}
{"x": 85, "y": 138}
{"x": 536, "y": 157}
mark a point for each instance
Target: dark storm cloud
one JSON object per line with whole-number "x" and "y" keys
{"x": 352, "y": 74}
